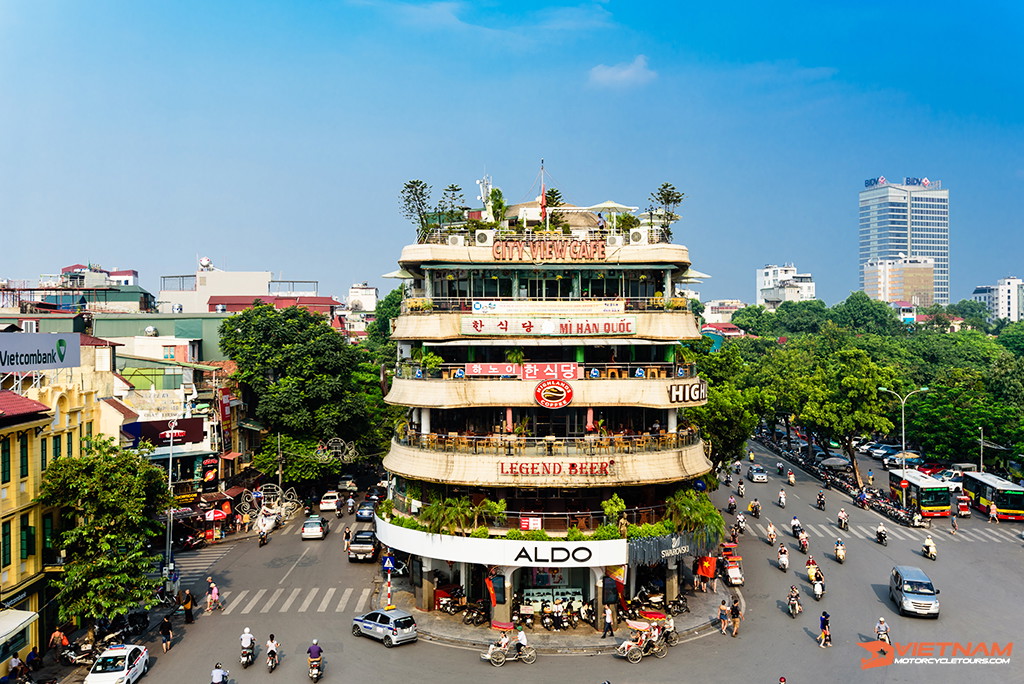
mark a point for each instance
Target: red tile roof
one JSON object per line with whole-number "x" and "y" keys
{"x": 13, "y": 404}
{"x": 90, "y": 341}
{"x": 129, "y": 415}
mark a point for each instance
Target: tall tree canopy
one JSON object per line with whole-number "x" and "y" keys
{"x": 113, "y": 496}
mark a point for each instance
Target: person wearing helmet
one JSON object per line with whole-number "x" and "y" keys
{"x": 520, "y": 640}
{"x": 843, "y": 519}
{"x": 882, "y": 630}
{"x": 248, "y": 642}
{"x": 219, "y": 675}
{"x": 839, "y": 545}
{"x": 314, "y": 653}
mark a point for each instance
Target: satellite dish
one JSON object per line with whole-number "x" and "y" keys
{"x": 151, "y": 331}
{"x": 205, "y": 263}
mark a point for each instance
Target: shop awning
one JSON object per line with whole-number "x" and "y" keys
{"x": 230, "y": 456}
{"x": 250, "y": 424}
{"x": 232, "y": 492}
{"x": 162, "y": 453}
{"x": 13, "y": 621}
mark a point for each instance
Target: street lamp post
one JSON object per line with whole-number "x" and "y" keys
{"x": 903, "y": 432}
{"x": 169, "y": 434}
{"x": 981, "y": 451}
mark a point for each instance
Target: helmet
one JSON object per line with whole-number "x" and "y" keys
{"x": 246, "y": 630}
{"x": 314, "y": 642}
{"x": 839, "y": 541}
{"x": 881, "y": 619}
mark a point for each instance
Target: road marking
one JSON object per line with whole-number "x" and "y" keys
{"x": 252, "y": 603}
{"x": 288, "y": 601}
{"x": 345, "y": 595}
{"x": 281, "y": 581}
{"x": 328, "y": 595}
{"x": 761, "y": 529}
{"x": 273, "y": 599}
{"x": 309, "y": 599}
{"x": 987, "y": 535}
{"x": 856, "y": 532}
{"x": 361, "y": 604}
{"x": 234, "y": 604}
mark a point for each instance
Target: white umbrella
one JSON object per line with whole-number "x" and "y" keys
{"x": 612, "y": 208}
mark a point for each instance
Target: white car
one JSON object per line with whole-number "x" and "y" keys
{"x": 315, "y": 527}
{"x": 757, "y": 473}
{"x": 330, "y": 501}
{"x": 120, "y": 664}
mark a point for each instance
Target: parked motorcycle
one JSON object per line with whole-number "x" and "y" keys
{"x": 476, "y": 614}
{"x": 192, "y": 543}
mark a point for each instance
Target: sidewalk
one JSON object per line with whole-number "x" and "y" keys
{"x": 443, "y": 628}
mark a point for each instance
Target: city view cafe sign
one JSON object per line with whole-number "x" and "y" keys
{"x": 548, "y": 250}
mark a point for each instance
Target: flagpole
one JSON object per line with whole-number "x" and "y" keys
{"x": 543, "y": 199}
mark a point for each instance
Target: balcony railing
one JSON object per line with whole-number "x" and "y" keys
{"x": 442, "y": 236}
{"x": 539, "y": 371}
{"x": 557, "y": 522}
{"x": 424, "y": 305}
{"x": 520, "y": 446}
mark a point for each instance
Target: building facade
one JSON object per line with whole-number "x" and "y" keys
{"x": 1004, "y": 300}
{"x": 909, "y": 219}
{"x": 539, "y": 370}
{"x": 192, "y": 293}
{"x": 905, "y": 279}
{"x": 777, "y": 284}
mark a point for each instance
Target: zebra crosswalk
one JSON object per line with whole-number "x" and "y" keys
{"x": 298, "y": 600}
{"x": 193, "y": 567}
{"x": 988, "y": 535}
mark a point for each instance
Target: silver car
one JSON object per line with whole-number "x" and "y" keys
{"x": 391, "y": 627}
{"x": 756, "y": 473}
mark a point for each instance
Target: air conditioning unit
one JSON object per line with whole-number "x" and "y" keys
{"x": 638, "y": 236}
{"x": 615, "y": 240}
{"x": 456, "y": 240}
{"x": 582, "y": 234}
{"x": 485, "y": 238}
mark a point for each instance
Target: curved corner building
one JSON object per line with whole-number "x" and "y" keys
{"x": 539, "y": 368}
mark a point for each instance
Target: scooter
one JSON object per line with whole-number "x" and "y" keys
{"x": 755, "y": 511}
{"x": 819, "y": 590}
{"x": 677, "y": 606}
{"x": 316, "y": 670}
{"x": 742, "y": 525}
{"x": 794, "y": 607}
{"x": 193, "y": 543}
{"x": 821, "y": 503}
{"x": 844, "y": 523}
{"x": 772, "y": 537}
{"x": 263, "y": 538}
{"x": 930, "y": 552}
{"x": 781, "y": 468}
{"x": 740, "y": 489}
{"x": 841, "y": 554}
{"x": 791, "y": 479}
{"x": 247, "y": 656}
{"x": 731, "y": 508}
{"x": 782, "y": 501}
{"x": 883, "y": 636}
{"x": 271, "y": 661}
{"x": 351, "y": 508}
{"x": 784, "y": 562}
{"x": 882, "y": 538}
{"x": 803, "y": 545}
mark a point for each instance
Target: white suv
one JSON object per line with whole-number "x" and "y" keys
{"x": 330, "y": 500}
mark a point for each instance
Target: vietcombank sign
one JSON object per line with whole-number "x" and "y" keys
{"x": 23, "y": 352}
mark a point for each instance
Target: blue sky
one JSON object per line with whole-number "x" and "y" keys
{"x": 277, "y": 135}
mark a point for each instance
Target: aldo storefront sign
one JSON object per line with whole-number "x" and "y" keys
{"x": 566, "y": 554}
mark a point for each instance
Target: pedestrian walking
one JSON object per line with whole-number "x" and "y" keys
{"x": 871, "y": 478}
{"x": 993, "y": 513}
{"x": 166, "y": 632}
{"x": 953, "y": 524}
{"x": 214, "y": 599}
{"x": 58, "y": 640}
{"x": 348, "y": 536}
{"x": 736, "y": 615}
{"x": 825, "y": 638}
{"x": 723, "y": 616}
{"x": 209, "y": 594}
{"x": 609, "y": 630}
{"x": 187, "y": 604}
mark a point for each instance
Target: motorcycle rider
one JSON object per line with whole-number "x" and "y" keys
{"x": 772, "y": 533}
{"x": 790, "y": 477}
{"x": 732, "y": 504}
{"x": 805, "y": 541}
{"x": 272, "y": 649}
{"x": 247, "y": 640}
{"x": 821, "y": 499}
{"x": 755, "y": 508}
{"x": 219, "y": 674}
{"x": 750, "y": 454}
{"x": 880, "y": 532}
{"x": 782, "y": 498}
{"x": 350, "y": 503}
{"x": 314, "y": 654}
{"x": 797, "y": 527}
{"x": 740, "y": 489}
{"x": 794, "y": 597}
{"x": 843, "y": 519}
{"x": 741, "y": 523}
{"x": 840, "y": 546}
{"x": 882, "y": 630}
{"x": 783, "y": 551}
{"x": 929, "y": 546}
{"x": 779, "y": 467}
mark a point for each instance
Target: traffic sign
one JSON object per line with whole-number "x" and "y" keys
{"x": 904, "y": 484}
{"x": 387, "y": 563}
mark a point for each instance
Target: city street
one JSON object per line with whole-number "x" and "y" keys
{"x": 305, "y": 589}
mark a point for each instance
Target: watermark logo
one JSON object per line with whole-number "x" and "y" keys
{"x": 935, "y": 653}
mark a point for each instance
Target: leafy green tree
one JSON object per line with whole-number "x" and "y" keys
{"x": 1012, "y": 337}
{"x": 843, "y": 400}
{"x": 692, "y": 513}
{"x": 555, "y": 220}
{"x": 794, "y": 318}
{"x": 666, "y": 199}
{"x": 755, "y": 320}
{"x": 378, "y": 331}
{"x": 498, "y": 206}
{"x": 451, "y": 205}
{"x": 298, "y": 461}
{"x": 113, "y": 495}
{"x": 414, "y": 204}
{"x": 860, "y": 313}
{"x": 306, "y": 378}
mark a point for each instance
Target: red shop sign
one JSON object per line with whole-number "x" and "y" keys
{"x": 553, "y": 394}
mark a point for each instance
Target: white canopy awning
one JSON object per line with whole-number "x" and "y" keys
{"x": 13, "y": 621}
{"x": 400, "y": 274}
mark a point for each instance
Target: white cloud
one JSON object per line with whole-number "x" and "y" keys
{"x": 623, "y": 75}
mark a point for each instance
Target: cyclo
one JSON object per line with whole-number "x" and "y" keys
{"x": 644, "y": 640}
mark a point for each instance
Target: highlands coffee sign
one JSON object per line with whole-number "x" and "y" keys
{"x": 549, "y": 250}
{"x": 24, "y": 352}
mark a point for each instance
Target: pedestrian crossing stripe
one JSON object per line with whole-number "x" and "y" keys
{"x": 291, "y": 598}
{"x": 252, "y": 603}
{"x": 234, "y": 604}
{"x": 309, "y": 599}
{"x": 309, "y": 603}
{"x": 328, "y": 595}
{"x": 345, "y": 595}
{"x": 273, "y": 599}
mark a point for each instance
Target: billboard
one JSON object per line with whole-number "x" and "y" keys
{"x": 25, "y": 352}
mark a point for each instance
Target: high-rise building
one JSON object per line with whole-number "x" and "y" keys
{"x": 1005, "y": 299}
{"x": 909, "y": 219}
{"x": 777, "y": 284}
{"x": 907, "y": 279}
